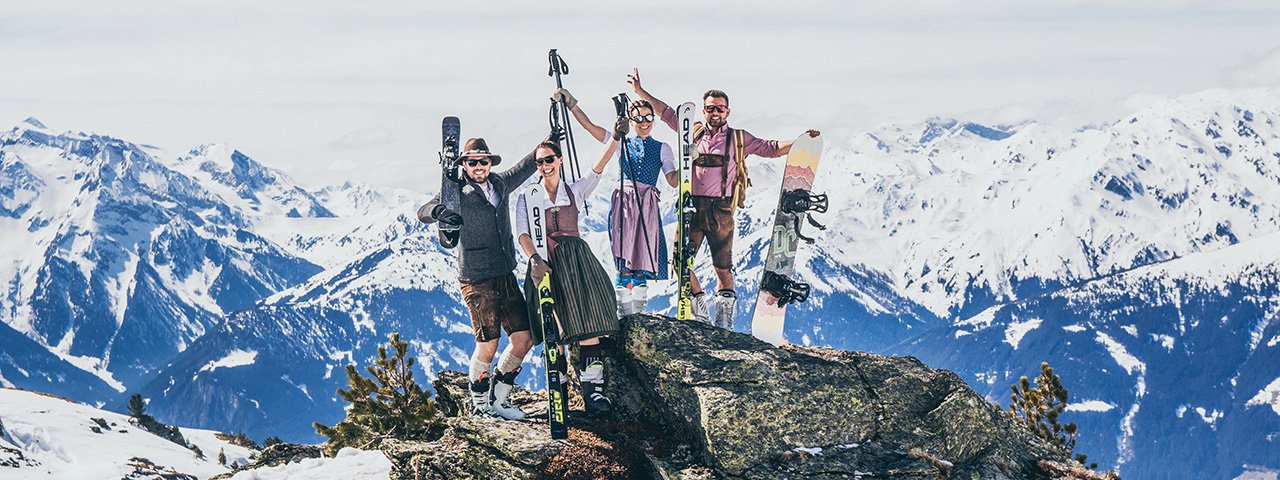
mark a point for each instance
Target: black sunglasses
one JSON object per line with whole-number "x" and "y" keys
{"x": 647, "y": 118}
{"x": 715, "y": 109}
{"x": 547, "y": 160}
{"x": 472, "y": 163}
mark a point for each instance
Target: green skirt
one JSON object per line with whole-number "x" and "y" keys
{"x": 585, "y": 302}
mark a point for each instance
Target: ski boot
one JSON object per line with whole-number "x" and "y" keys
{"x": 726, "y": 301}
{"x": 639, "y": 298}
{"x": 481, "y": 405}
{"x": 701, "y": 311}
{"x": 502, "y": 385}
{"x": 592, "y": 379}
{"x": 626, "y": 302}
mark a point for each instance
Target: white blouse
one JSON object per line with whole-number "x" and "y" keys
{"x": 581, "y": 190}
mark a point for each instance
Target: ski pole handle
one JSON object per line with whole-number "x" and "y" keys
{"x": 620, "y": 103}
{"x": 558, "y": 67}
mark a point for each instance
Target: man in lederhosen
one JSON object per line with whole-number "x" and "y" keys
{"x": 486, "y": 260}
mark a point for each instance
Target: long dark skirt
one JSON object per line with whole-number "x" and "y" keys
{"x": 585, "y": 302}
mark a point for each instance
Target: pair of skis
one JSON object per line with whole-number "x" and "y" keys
{"x": 552, "y": 354}
{"x": 795, "y": 201}
{"x": 451, "y": 180}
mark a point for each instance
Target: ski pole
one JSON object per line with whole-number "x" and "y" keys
{"x": 557, "y": 69}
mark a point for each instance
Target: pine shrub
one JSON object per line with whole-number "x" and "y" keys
{"x": 389, "y": 404}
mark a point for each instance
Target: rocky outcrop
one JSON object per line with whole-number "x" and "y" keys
{"x": 697, "y": 402}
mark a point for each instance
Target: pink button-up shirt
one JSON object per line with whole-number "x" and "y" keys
{"x": 707, "y": 180}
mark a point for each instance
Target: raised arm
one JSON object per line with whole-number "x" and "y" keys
{"x": 784, "y": 146}
{"x": 610, "y": 149}
{"x": 518, "y": 173}
{"x": 620, "y": 130}
{"x": 596, "y": 131}
{"x": 659, "y": 107}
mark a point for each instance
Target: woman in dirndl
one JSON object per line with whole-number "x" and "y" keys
{"x": 584, "y": 300}
{"x": 635, "y": 224}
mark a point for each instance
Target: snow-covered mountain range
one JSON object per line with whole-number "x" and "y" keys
{"x": 1137, "y": 257}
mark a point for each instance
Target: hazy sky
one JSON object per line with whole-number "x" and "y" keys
{"x": 330, "y": 91}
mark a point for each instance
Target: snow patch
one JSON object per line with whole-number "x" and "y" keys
{"x": 236, "y": 358}
{"x": 1077, "y": 328}
{"x": 982, "y": 320}
{"x": 1210, "y": 417}
{"x": 1015, "y": 331}
{"x": 808, "y": 450}
{"x": 349, "y": 463}
{"x": 1252, "y": 472}
{"x": 1091, "y": 406}
{"x": 1122, "y": 357}
{"x": 1270, "y": 395}
{"x": 93, "y": 366}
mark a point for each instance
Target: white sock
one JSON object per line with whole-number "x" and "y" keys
{"x": 508, "y": 362}
{"x": 478, "y": 367}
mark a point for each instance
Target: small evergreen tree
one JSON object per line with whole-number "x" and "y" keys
{"x": 222, "y": 457}
{"x": 137, "y": 408}
{"x": 138, "y": 414}
{"x": 1039, "y": 409}
{"x": 389, "y": 405}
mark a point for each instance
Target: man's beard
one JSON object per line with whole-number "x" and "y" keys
{"x": 481, "y": 179}
{"x": 716, "y": 123}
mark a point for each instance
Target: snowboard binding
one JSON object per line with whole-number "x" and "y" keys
{"x": 785, "y": 289}
{"x": 801, "y": 201}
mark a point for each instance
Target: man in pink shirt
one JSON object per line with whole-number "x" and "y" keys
{"x": 718, "y": 188}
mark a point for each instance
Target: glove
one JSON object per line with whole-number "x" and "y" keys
{"x": 449, "y": 219}
{"x": 621, "y": 128}
{"x": 538, "y": 268}
{"x": 563, "y": 95}
{"x": 556, "y": 136}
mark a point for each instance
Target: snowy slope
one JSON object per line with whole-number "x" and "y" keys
{"x": 349, "y": 463}
{"x": 60, "y": 439}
